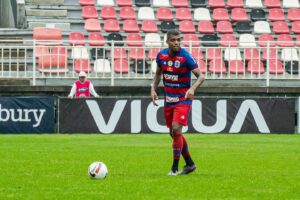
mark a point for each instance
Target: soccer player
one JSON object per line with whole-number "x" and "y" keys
{"x": 176, "y": 65}
{"x": 82, "y": 88}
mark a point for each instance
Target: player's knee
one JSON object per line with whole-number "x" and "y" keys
{"x": 176, "y": 129}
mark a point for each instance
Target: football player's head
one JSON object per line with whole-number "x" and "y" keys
{"x": 173, "y": 40}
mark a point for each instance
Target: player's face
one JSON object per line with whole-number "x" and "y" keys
{"x": 82, "y": 78}
{"x": 174, "y": 43}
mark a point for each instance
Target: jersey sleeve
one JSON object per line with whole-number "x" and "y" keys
{"x": 191, "y": 62}
{"x": 158, "y": 60}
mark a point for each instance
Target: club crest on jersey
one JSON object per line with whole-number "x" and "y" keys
{"x": 177, "y": 64}
{"x": 170, "y": 63}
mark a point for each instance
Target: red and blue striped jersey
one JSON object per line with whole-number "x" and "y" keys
{"x": 176, "y": 72}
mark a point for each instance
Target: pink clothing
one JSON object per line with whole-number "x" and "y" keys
{"x": 82, "y": 89}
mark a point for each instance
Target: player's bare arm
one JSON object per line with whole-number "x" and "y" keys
{"x": 155, "y": 84}
{"x": 200, "y": 78}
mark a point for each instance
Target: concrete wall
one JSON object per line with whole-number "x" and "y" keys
{"x": 6, "y": 14}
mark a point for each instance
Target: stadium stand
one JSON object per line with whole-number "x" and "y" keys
{"x": 214, "y": 31}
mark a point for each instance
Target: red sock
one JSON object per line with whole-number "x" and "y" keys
{"x": 185, "y": 150}
{"x": 177, "y": 149}
{"x": 186, "y": 154}
{"x": 177, "y": 146}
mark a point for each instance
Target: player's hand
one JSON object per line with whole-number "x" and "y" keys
{"x": 189, "y": 95}
{"x": 154, "y": 97}
{"x": 70, "y": 97}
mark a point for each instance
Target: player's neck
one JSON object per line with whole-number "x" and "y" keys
{"x": 172, "y": 53}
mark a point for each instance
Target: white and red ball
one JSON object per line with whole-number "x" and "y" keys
{"x": 97, "y": 170}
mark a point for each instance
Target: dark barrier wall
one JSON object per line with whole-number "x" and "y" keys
{"x": 27, "y": 115}
{"x": 209, "y": 115}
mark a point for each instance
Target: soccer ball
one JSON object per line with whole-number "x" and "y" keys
{"x": 97, "y": 170}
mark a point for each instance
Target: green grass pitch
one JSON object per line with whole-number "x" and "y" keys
{"x": 229, "y": 167}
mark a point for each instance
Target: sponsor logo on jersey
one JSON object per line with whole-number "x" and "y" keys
{"x": 172, "y": 99}
{"x": 169, "y": 69}
{"x": 170, "y": 63}
{"x": 172, "y": 84}
{"x": 171, "y": 77}
{"x": 84, "y": 89}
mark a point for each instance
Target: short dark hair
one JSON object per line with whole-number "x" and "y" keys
{"x": 172, "y": 33}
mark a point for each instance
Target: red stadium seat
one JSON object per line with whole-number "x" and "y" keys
{"x": 235, "y": 3}
{"x": 272, "y": 3}
{"x": 251, "y": 54}
{"x": 197, "y": 53}
{"x": 285, "y": 40}
{"x": 276, "y": 14}
{"x": 228, "y": 40}
{"x": 121, "y": 66}
{"x": 137, "y": 53}
{"x": 76, "y": 39}
{"x": 224, "y": 27}
{"x": 190, "y": 40}
{"x": 41, "y": 50}
{"x": 202, "y": 66}
{"x": 213, "y": 53}
{"x": 134, "y": 39}
{"x": 96, "y": 39}
{"x": 58, "y": 51}
{"x": 294, "y": 14}
{"x": 216, "y": 3}
{"x": 130, "y": 26}
{"x": 119, "y": 53}
{"x": 92, "y": 25}
{"x": 87, "y": 2}
{"x": 53, "y": 64}
{"x": 164, "y": 14}
{"x": 220, "y": 14}
{"x": 217, "y": 66}
{"x": 236, "y": 67}
{"x": 51, "y": 36}
{"x": 296, "y": 27}
{"x": 273, "y": 54}
{"x": 149, "y": 26}
{"x": 127, "y": 13}
{"x": 108, "y": 12}
{"x": 265, "y": 40}
{"x": 180, "y": 3}
{"x": 275, "y": 67}
{"x": 82, "y": 65}
{"x": 89, "y": 12}
{"x": 239, "y": 15}
{"x": 206, "y": 27}
{"x": 280, "y": 27}
{"x": 122, "y": 3}
{"x": 255, "y": 67}
{"x": 153, "y": 53}
{"x": 187, "y": 26}
{"x": 111, "y": 25}
{"x": 183, "y": 14}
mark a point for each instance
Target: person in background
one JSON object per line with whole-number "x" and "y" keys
{"x": 82, "y": 88}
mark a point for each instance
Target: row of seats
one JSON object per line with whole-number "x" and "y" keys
{"x": 165, "y": 14}
{"x": 217, "y": 66}
{"x": 46, "y": 35}
{"x": 197, "y": 3}
{"x": 228, "y": 54}
{"x": 187, "y": 26}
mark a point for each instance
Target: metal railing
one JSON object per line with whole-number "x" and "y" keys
{"x": 115, "y": 60}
